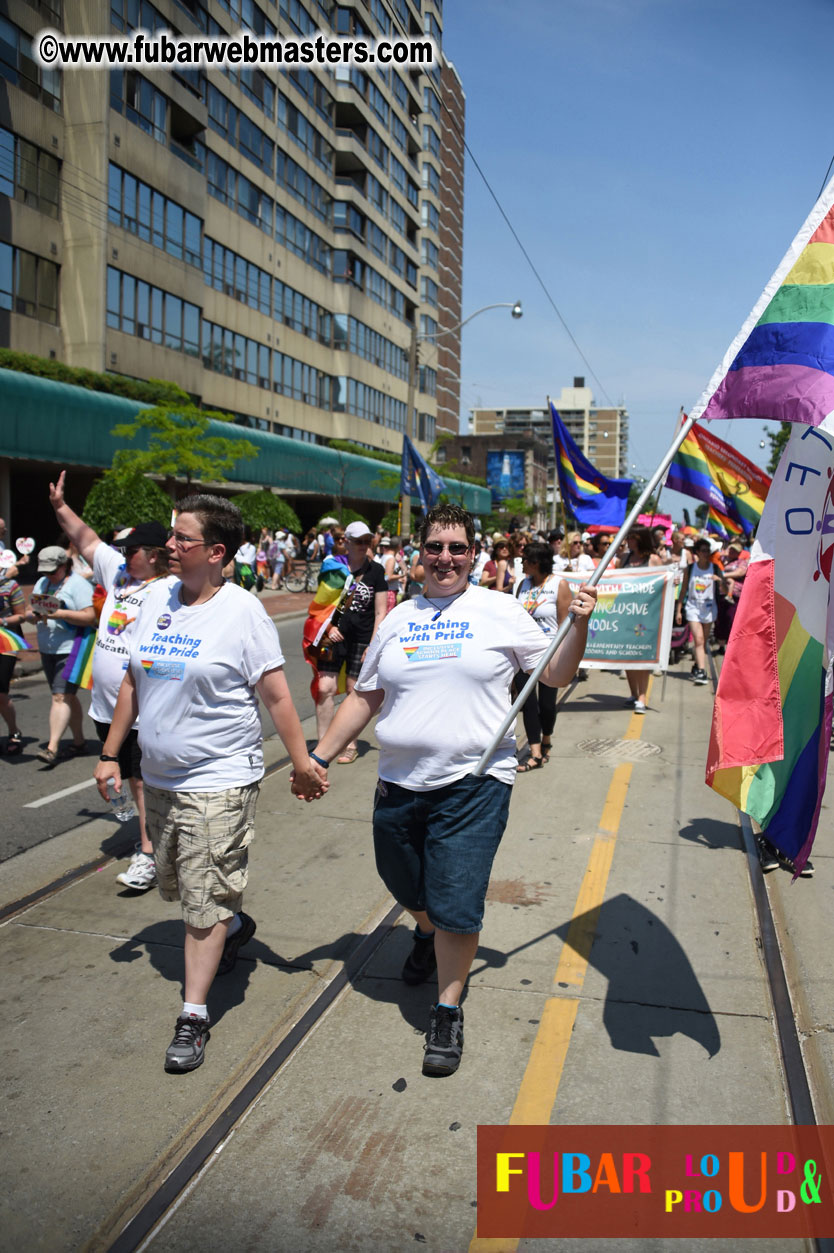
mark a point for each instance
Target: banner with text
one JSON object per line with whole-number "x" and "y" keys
{"x": 632, "y": 623}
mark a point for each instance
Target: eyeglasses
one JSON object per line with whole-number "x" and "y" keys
{"x": 456, "y": 549}
{"x": 338, "y": 539}
{"x": 185, "y": 541}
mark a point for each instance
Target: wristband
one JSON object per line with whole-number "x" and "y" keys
{"x": 324, "y": 764}
{"x": 104, "y": 757}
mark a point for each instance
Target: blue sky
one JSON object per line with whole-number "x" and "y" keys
{"x": 656, "y": 157}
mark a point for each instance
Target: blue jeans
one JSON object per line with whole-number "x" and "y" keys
{"x": 435, "y": 849}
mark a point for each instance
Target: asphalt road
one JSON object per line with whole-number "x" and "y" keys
{"x": 66, "y": 789}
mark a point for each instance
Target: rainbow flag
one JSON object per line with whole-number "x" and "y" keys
{"x": 332, "y": 578}
{"x": 780, "y": 366}
{"x": 713, "y": 471}
{"x": 771, "y": 725}
{"x": 78, "y": 667}
{"x": 11, "y": 643}
{"x": 587, "y": 494}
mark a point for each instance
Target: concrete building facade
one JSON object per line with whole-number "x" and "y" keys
{"x": 267, "y": 241}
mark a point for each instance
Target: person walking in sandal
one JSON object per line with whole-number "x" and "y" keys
{"x": 12, "y": 616}
{"x": 61, "y": 602}
{"x": 438, "y": 673}
{"x": 546, "y": 597}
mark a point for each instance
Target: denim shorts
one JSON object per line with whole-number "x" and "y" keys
{"x": 435, "y": 849}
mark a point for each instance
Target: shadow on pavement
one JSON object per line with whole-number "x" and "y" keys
{"x": 652, "y": 988}
{"x": 712, "y": 833}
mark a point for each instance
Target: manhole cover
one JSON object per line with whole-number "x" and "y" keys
{"x": 620, "y": 750}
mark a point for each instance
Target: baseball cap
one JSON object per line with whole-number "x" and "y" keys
{"x": 49, "y": 559}
{"x": 145, "y": 535}
{"x": 385, "y": 542}
{"x": 357, "y": 530}
{"x": 586, "y": 535}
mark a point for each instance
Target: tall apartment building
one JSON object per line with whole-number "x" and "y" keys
{"x": 601, "y": 433}
{"x": 267, "y": 241}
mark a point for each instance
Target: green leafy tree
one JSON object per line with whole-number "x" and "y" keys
{"x": 778, "y": 439}
{"x": 119, "y": 500}
{"x": 179, "y": 445}
{"x": 260, "y": 509}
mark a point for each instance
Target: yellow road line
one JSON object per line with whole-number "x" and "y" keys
{"x": 540, "y": 1082}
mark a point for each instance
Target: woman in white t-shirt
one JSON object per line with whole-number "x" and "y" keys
{"x": 575, "y": 557}
{"x": 698, "y": 601}
{"x": 546, "y": 597}
{"x": 201, "y": 654}
{"x": 127, "y": 574}
{"x": 439, "y": 672}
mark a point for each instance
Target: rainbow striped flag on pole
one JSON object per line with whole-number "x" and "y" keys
{"x": 713, "y": 471}
{"x": 586, "y": 493}
{"x": 771, "y": 725}
{"x": 780, "y": 366}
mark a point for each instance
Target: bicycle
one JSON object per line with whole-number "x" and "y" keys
{"x": 305, "y": 579}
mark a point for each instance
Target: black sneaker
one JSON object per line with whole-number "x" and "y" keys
{"x": 767, "y": 855}
{"x": 188, "y": 1047}
{"x": 421, "y": 961}
{"x": 443, "y": 1048}
{"x": 699, "y": 677}
{"x": 235, "y": 943}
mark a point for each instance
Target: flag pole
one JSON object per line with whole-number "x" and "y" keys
{"x": 592, "y": 582}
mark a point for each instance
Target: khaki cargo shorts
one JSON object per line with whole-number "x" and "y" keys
{"x": 201, "y": 849}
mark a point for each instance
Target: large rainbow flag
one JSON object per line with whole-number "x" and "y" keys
{"x": 771, "y": 725}
{"x": 587, "y": 494}
{"x": 332, "y": 578}
{"x": 780, "y": 366}
{"x": 713, "y": 471}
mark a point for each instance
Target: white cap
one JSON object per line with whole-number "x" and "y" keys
{"x": 357, "y": 530}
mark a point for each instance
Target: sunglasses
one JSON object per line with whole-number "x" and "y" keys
{"x": 434, "y": 548}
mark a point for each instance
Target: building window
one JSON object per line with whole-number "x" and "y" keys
{"x": 138, "y": 208}
{"x": 136, "y": 308}
{"x": 28, "y": 284}
{"x": 29, "y": 174}
{"x": 19, "y": 67}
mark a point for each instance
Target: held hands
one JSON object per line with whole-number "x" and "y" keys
{"x": 584, "y": 602}
{"x": 308, "y": 784}
{"x": 334, "y": 635}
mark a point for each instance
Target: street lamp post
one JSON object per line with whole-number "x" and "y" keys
{"x": 516, "y": 312}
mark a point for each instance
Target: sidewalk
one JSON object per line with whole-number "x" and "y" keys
{"x": 665, "y": 1019}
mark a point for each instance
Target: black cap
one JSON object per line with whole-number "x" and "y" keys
{"x": 145, "y": 535}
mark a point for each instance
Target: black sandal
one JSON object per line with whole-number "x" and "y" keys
{"x": 14, "y": 744}
{"x": 532, "y": 763}
{"x": 547, "y": 745}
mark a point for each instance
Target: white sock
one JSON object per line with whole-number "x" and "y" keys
{"x": 234, "y": 925}
{"x": 198, "y": 1011}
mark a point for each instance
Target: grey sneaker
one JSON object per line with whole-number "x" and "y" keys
{"x": 235, "y": 943}
{"x": 188, "y": 1047}
{"x": 444, "y": 1045}
{"x": 140, "y": 874}
{"x": 421, "y": 961}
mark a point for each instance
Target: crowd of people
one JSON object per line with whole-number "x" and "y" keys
{"x": 414, "y": 635}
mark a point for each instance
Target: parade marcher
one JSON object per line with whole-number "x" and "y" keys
{"x": 699, "y": 602}
{"x": 438, "y": 673}
{"x": 574, "y": 556}
{"x": 57, "y": 629}
{"x": 546, "y": 597}
{"x": 497, "y": 573}
{"x": 12, "y": 616}
{"x": 366, "y": 604}
{"x": 732, "y": 584}
{"x": 200, "y": 654}
{"x": 127, "y": 571}
{"x": 640, "y": 553}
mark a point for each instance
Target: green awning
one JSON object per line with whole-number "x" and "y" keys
{"x": 57, "y": 422}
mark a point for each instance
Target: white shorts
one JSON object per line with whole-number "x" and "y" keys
{"x": 700, "y": 613}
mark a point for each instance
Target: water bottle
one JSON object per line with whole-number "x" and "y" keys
{"x": 121, "y": 805}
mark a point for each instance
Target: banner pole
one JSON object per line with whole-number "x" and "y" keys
{"x": 592, "y": 582}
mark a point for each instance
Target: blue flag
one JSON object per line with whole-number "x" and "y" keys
{"x": 418, "y": 478}
{"x": 586, "y": 493}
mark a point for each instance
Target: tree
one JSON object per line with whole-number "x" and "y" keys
{"x": 119, "y": 500}
{"x": 636, "y": 488}
{"x": 179, "y": 446}
{"x": 778, "y": 440}
{"x": 264, "y": 509}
